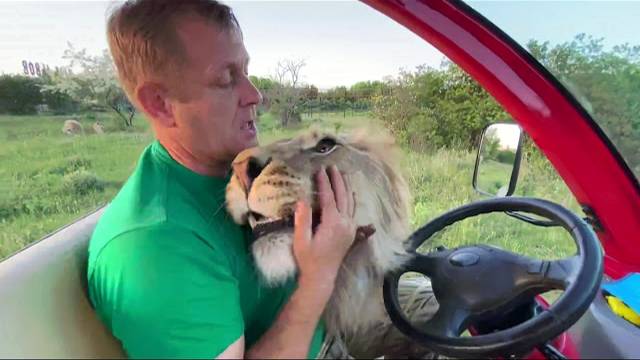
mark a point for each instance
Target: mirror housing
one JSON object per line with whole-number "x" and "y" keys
{"x": 498, "y": 160}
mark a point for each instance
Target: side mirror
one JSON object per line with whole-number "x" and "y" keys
{"x": 498, "y": 160}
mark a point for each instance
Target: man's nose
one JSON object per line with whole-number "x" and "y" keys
{"x": 249, "y": 169}
{"x": 251, "y": 95}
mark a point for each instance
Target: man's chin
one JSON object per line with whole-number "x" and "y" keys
{"x": 241, "y": 145}
{"x": 249, "y": 141}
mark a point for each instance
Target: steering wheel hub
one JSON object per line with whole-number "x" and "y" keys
{"x": 464, "y": 258}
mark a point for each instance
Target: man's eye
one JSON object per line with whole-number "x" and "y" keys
{"x": 225, "y": 80}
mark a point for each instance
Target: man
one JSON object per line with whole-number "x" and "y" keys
{"x": 169, "y": 272}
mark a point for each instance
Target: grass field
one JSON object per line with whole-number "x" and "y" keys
{"x": 49, "y": 179}
{"x": 493, "y": 177}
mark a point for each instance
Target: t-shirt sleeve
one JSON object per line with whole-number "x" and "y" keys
{"x": 165, "y": 293}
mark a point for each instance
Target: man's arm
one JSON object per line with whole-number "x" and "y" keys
{"x": 234, "y": 351}
{"x": 290, "y": 336}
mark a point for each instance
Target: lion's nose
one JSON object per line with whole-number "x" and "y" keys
{"x": 249, "y": 170}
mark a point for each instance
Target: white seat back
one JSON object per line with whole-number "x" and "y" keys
{"x": 44, "y": 309}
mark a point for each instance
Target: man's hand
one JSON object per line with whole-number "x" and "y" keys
{"x": 320, "y": 255}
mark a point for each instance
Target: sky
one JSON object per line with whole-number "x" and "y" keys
{"x": 341, "y": 42}
{"x": 508, "y": 135}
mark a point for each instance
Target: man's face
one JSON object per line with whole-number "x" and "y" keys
{"x": 214, "y": 106}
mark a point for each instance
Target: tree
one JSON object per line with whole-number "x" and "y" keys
{"x": 310, "y": 92}
{"x": 22, "y": 95}
{"x": 605, "y": 82}
{"x": 363, "y": 92}
{"x": 92, "y": 81}
{"x": 265, "y": 86}
{"x": 59, "y": 103}
{"x": 310, "y": 99}
{"x": 491, "y": 144}
{"x": 286, "y": 94}
{"x": 19, "y": 94}
{"x": 432, "y": 108}
{"x": 445, "y": 107}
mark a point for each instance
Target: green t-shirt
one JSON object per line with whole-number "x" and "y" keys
{"x": 170, "y": 273}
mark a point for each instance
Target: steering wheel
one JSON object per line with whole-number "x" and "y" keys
{"x": 473, "y": 283}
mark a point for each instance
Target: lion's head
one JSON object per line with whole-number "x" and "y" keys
{"x": 267, "y": 181}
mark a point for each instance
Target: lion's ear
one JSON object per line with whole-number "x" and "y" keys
{"x": 378, "y": 142}
{"x": 358, "y": 135}
{"x": 375, "y": 141}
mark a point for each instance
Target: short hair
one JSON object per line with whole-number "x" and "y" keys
{"x": 143, "y": 40}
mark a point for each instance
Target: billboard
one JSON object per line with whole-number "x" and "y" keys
{"x": 37, "y": 69}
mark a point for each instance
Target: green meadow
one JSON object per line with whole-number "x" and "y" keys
{"x": 49, "y": 179}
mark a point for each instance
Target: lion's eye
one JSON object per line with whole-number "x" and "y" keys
{"x": 325, "y": 146}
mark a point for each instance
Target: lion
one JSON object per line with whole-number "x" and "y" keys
{"x": 98, "y": 127}
{"x": 267, "y": 182}
{"x": 72, "y": 127}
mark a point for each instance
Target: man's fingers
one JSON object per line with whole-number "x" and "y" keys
{"x": 339, "y": 189}
{"x": 325, "y": 194}
{"x": 302, "y": 225}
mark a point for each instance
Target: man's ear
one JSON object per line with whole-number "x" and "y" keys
{"x": 154, "y": 99}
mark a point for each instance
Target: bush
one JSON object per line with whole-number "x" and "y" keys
{"x": 73, "y": 164}
{"x": 9, "y": 208}
{"x": 82, "y": 182}
{"x": 506, "y": 156}
{"x": 115, "y": 124}
{"x": 59, "y": 103}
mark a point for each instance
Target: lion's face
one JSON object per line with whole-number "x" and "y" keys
{"x": 267, "y": 182}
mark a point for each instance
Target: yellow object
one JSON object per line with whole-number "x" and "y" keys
{"x": 622, "y": 310}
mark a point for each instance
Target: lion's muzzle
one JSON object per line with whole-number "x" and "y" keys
{"x": 248, "y": 169}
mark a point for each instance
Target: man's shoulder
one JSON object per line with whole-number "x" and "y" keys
{"x": 159, "y": 191}
{"x": 160, "y": 220}
{"x": 161, "y": 206}
{"x": 153, "y": 241}
{"x": 152, "y": 198}
{"x": 139, "y": 204}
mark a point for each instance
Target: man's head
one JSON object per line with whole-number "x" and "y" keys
{"x": 185, "y": 65}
